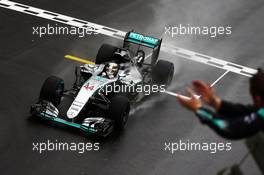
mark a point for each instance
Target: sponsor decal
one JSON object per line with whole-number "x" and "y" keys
{"x": 88, "y": 87}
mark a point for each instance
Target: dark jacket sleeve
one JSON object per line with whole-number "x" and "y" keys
{"x": 233, "y": 110}
{"x": 233, "y": 128}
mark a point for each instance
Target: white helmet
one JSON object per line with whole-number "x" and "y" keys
{"x": 111, "y": 70}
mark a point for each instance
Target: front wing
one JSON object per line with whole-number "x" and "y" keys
{"x": 92, "y": 125}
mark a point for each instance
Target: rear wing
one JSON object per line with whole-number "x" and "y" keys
{"x": 142, "y": 40}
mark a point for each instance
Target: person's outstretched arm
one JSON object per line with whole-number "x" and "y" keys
{"x": 228, "y": 127}
{"x": 224, "y": 108}
{"x": 233, "y": 128}
{"x": 233, "y": 110}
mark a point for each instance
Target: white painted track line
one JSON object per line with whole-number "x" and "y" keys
{"x": 183, "y": 53}
{"x": 208, "y": 60}
{"x": 198, "y": 96}
{"x": 219, "y": 79}
{"x": 61, "y": 18}
{"x": 176, "y": 95}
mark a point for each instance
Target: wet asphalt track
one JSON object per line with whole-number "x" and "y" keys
{"x": 26, "y": 60}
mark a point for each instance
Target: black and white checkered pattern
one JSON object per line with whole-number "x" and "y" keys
{"x": 183, "y": 53}
{"x": 62, "y": 18}
{"x": 208, "y": 60}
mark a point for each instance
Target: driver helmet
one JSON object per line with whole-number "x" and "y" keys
{"x": 111, "y": 70}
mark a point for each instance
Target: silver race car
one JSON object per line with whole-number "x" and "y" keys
{"x": 102, "y": 95}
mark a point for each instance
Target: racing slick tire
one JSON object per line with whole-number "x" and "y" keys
{"x": 105, "y": 53}
{"x": 52, "y": 90}
{"x": 119, "y": 111}
{"x": 162, "y": 73}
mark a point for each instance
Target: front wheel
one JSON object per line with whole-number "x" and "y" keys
{"x": 119, "y": 111}
{"x": 52, "y": 90}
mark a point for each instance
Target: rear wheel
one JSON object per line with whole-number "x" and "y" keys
{"x": 119, "y": 111}
{"x": 52, "y": 90}
{"x": 105, "y": 53}
{"x": 162, "y": 73}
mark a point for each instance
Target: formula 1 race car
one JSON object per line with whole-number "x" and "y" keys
{"x": 89, "y": 106}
